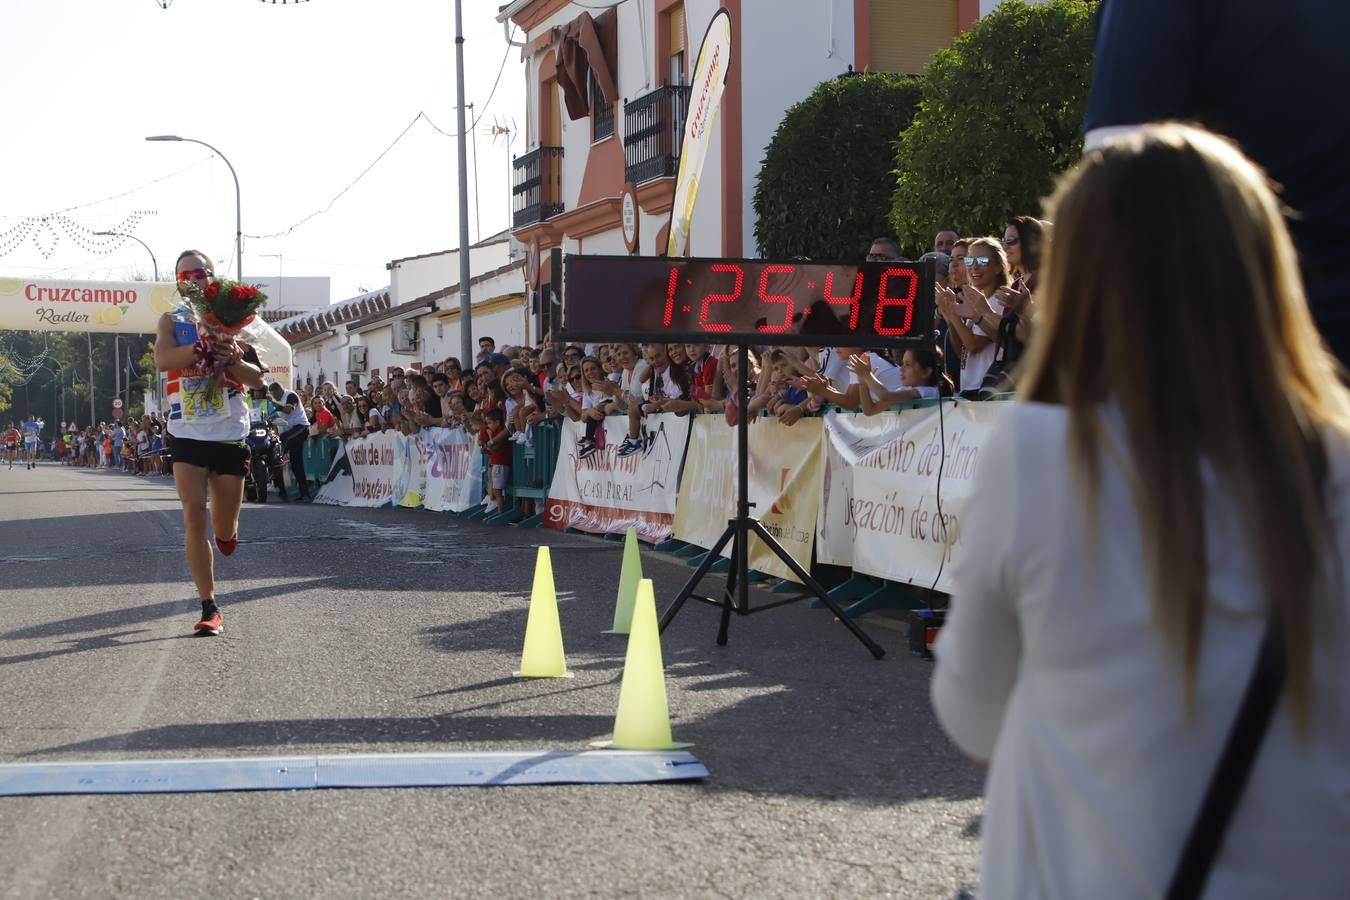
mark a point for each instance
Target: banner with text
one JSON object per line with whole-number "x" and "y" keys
{"x": 784, "y": 485}
{"x": 879, "y": 507}
{"x": 374, "y": 466}
{"x": 708, "y": 488}
{"x": 126, "y": 307}
{"x": 410, "y": 470}
{"x": 606, "y": 493}
{"x": 454, "y": 470}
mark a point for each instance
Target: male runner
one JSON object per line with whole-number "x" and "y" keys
{"x": 208, "y": 423}
{"x": 11, "y": 443}
{"x": 31, "y": 429}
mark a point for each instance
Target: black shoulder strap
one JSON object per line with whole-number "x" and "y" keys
{"x": 1235, "y": 765}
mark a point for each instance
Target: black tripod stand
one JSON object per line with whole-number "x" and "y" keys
{"x": 736, "y": 596}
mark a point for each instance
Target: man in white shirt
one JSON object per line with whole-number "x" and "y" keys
{"x": 297, "y": 430}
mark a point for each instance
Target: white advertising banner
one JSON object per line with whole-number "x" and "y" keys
{"x": 606, "y": 493}
{"x": 374, "y": 468}
{"x": 879, "y": 510}
{"x": 126, "y": 307}
{"x": 410, "y": 470}
{"x": 454, "y": 470}
{"x": 784, "y": 485}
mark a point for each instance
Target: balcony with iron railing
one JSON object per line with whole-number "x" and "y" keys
{"x": 536, "y": 186}
{"x": 653, "y": 130}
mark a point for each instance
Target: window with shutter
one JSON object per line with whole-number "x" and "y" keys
{"x": 677, "y": 49}
{"x": 906, "y": 33}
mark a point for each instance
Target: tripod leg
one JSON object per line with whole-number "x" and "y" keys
{"x": 735, "y": 577}
{"x": 713, "y": 556}
{"x": 815, "y": 588}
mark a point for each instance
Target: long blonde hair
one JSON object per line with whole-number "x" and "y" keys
{"x": 1219, "y": 283}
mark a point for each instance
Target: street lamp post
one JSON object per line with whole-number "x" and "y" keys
{"x": 238, "y": 214}
{"x": 154, "y": 264}
{"x": 465, "y": 303}
{"x": 117, "y": 343}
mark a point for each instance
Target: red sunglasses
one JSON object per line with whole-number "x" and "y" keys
{"x": 194, "y": 274}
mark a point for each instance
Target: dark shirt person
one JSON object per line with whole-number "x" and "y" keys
{"x": 1267, "y": 77}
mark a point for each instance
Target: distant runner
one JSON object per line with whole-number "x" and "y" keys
{"x": 12, "y": 438}
{"x": 32, "y": 427}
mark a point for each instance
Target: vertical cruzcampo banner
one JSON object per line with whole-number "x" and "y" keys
{"x": 454, "y": 470}
{"x": 784, "y": 485}
{"x": 606, "y": 493}
{"x": 879, "y": 509}
{"x": 373, "y": 462}
{"x": 705, "y": 99}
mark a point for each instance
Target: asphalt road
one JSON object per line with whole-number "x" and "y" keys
{"x": 398, "y": 630}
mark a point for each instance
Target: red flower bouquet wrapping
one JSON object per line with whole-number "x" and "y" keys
{"x": 224, "y": 311}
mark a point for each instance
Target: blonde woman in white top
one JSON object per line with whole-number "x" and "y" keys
{"x": 1179, "y": 476}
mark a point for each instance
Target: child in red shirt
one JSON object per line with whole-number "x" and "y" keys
{"x": 495, "y": 441}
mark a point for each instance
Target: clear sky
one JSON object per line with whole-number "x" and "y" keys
{"x": 301, "y": 98}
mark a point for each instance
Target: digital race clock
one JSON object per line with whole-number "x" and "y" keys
{"x": 750, "y": 301}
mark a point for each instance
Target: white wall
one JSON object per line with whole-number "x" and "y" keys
{"x": 328, "y": 356}
{"x": 415, "y": 278}
{"x": 803, "y": 37}
{"x": 297, "y": 292}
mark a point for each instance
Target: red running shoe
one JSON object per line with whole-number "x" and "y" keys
{"x": 227, "y": 547}
{"x": 210, "y": 626}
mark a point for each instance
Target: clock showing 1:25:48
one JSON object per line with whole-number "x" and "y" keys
{"x": 752, "y": 301}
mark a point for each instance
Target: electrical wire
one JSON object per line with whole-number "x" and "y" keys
{"x": 339, "y": 195}
{"x": 486, "y": 103}
{"x": 422, "y": 116}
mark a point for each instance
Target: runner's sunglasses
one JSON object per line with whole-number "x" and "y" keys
{"x": 194, "y": 274}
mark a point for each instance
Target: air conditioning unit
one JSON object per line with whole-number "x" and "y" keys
{"x": 356, "y": 360}
{"x": 405, "y": 336}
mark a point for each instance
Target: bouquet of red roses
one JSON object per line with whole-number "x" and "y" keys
{"x": 223, "y": 309}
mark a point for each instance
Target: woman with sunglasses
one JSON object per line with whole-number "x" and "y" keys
{"x": 987, "y": 267}
{"x": 208, "y": 421}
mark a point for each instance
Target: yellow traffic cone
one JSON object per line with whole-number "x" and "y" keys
{"x": 643, "y": 719}
{"x": 629, "y": 576}
{"x": 543, "y": 653}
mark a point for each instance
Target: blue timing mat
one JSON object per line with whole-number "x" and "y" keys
{"x": 375, "y": 770}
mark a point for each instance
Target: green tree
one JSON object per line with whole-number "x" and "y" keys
{"x": 824, "y": 183}
{"x": 1001, "y": 117}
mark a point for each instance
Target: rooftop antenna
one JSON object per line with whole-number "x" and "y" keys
{"x": 499, "y": 129}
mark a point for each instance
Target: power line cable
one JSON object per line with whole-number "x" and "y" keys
{"x": 420, "y": 116}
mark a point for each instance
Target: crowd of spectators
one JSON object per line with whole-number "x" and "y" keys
{"x": 137, "y": 446}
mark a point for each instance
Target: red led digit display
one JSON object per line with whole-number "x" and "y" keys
{"x": 775, "y": 298}
{"x": 747, "y": 301}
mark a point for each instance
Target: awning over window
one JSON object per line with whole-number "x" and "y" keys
{"x": 588, "y": 45}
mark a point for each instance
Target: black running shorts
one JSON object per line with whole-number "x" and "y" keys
{"x": 220, "y": 457}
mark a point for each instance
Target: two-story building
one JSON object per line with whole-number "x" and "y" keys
{"x": 607, "y": 87}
